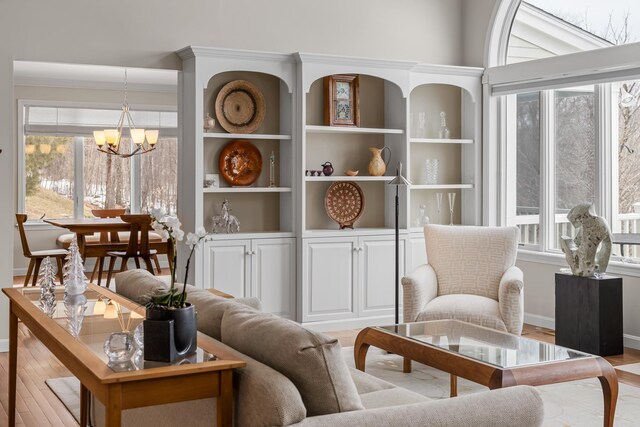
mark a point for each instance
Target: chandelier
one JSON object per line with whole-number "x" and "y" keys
{"x": 108, "y": 140}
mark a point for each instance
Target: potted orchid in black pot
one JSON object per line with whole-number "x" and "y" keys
{"x": 170, "y": 328}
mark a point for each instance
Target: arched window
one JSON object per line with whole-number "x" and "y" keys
{"x": 562, "y": 117}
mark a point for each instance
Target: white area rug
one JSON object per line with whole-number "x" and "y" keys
{"x": 634, "y": 368}
{"x": 571, "y": 404}
{"x": 68, "y": 391}
{"x": 575, "y": 404}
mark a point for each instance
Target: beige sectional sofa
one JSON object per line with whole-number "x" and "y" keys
{"x": 297, "y": 377}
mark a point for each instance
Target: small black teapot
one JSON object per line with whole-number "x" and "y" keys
{"x": 327, "y": 169}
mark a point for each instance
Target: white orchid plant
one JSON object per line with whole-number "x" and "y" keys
{"x": 168, "y": 227}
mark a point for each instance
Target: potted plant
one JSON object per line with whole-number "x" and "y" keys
{"x": 170, "y": 329}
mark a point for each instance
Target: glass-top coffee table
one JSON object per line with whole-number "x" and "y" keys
{"x": 492, "y": 358}
{"x": 76, "y": 333}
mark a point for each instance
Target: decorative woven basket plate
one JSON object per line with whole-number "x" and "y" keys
{"x": 344, "y": 203}
{"x": 240, "y": 107}
{"x": 240, "y": 163}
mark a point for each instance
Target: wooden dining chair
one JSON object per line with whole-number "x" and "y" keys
{"x": 138, "y": 246}
{"x": 106, "y": 237}
{"x": 36, "y": 257}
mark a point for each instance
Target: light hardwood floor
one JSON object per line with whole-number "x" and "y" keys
{"x": 37, "y": 406}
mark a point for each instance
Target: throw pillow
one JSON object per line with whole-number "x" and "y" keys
{"x": 311, "y": 360}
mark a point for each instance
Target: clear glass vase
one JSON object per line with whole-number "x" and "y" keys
{"x": 431, "y": 170}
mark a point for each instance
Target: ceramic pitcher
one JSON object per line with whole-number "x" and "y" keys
{"x": 377, "y": 166}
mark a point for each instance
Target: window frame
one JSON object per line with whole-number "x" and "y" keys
{"x": 78, "y": 161}
{"x": 604, "y": 67}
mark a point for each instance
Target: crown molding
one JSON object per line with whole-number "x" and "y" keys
{"x": 191, "y": 52}
{"x": 302, "y": 57}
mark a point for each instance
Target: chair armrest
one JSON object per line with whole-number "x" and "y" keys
{"x": 513, "y": 406}
{"x": 419, "y": 287}
{"x": 511, "y": 299}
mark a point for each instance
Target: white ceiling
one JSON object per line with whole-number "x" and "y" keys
{"x": 30, "y": 73}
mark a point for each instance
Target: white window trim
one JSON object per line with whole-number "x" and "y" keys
{"x": 608, "y": 65}
{"x": 78, "y": 188}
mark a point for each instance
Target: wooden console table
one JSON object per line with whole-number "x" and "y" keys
{"x": 208, "y": 376}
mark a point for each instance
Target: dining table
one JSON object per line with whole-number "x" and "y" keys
{"x": 84, "y": 227}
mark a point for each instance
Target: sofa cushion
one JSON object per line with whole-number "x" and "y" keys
{"x": 311, "y": 360}
{"x": 139, "y": 285}
{"x": 467, "y": 308}
{"x": 366, "y": 383}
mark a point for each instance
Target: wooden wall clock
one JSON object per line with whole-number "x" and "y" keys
{"x": 341, "y": 100}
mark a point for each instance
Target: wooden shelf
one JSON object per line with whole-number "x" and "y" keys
{"x": 439, "y": 141}
{"x": 353, "y": 130}
{"x": 247, "y": 190}
{"x": 220, "y": 135}
{"x": 333, "y": 178}
{"x": 441, "y": 186}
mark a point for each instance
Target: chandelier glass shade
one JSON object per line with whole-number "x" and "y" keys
{"x": 108, "y": 140}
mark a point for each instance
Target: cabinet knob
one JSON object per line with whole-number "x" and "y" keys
{"x": 248, "y": 252}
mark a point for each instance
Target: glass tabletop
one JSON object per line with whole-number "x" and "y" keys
{"x": 92, "y": 317}
{"x": 497, "y": 348}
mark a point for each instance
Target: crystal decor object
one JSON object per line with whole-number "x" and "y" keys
{"x": 452, "y": 202}
{"x": 439, "y": 205}
{"x": 422, "y": 219}
{"x": 120, "y": 346}
{"x": 138, "y": 336}
{"x": 431, "y": 167}
{"x": 443, "y": 132}
{"x": 422, "y": 124}
{"x": 74, "y": 279}
{"x": 74, "y": 308}
{"x": 47, "y": 284}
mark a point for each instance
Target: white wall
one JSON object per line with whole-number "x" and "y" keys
{"x": 146, "y": 33}
{"x": 539, "y": 300}
{"x": 476, "y": 15}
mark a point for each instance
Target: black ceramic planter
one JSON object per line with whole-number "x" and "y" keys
{"x": 170, "y": 334}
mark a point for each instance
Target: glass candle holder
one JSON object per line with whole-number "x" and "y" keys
{"x": 431, "y": 169}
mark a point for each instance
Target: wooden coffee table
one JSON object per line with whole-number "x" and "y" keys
{"x": 133, "y": 384}
{"x": 485, "y": 356}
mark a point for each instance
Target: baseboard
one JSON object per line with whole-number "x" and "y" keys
{"x": 631, "y": 341}
{"x": 4, "y": 346}
{"x": 541, "y": 321}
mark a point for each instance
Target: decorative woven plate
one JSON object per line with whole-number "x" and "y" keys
{"x": 344, "y": 203}
{"x": 240, "y": 107}
{"x": 240, "y": 162}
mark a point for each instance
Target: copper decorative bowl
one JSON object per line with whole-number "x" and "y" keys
{"x": 344, "y": 202}
{"x": 240, "y": 163}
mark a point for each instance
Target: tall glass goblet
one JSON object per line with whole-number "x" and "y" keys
{"x": 452, "y": 202}
{"x": 439, "y": 205}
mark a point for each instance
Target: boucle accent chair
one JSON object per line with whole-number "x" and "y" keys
{"x": 298, "y": 377}
{"x": 470, "y": 276}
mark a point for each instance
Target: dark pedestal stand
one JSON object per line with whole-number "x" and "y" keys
{"x": 589, "y": 314}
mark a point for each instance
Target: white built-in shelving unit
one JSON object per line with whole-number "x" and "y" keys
{"x": 289, "y": 253}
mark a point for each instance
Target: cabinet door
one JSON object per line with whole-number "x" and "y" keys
{"x": 377, "y": 269}
{"x": 227, "y": 266}
{"x": 417, "y": 253}
{"x": 273, "y": 270}
{"x": 329, "y": 275}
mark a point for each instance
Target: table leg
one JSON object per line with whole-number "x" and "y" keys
{"x": 360, "y": 349}
{"x": 113, "y": 406}
{"x": 224, "y": 408}
{"x": 609, "y": 382}
{"x": 84, "y": 406}
{"x": 454, "y": 386}
{"x": 406, "y": 365}
{"x": 13, "y": 364}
